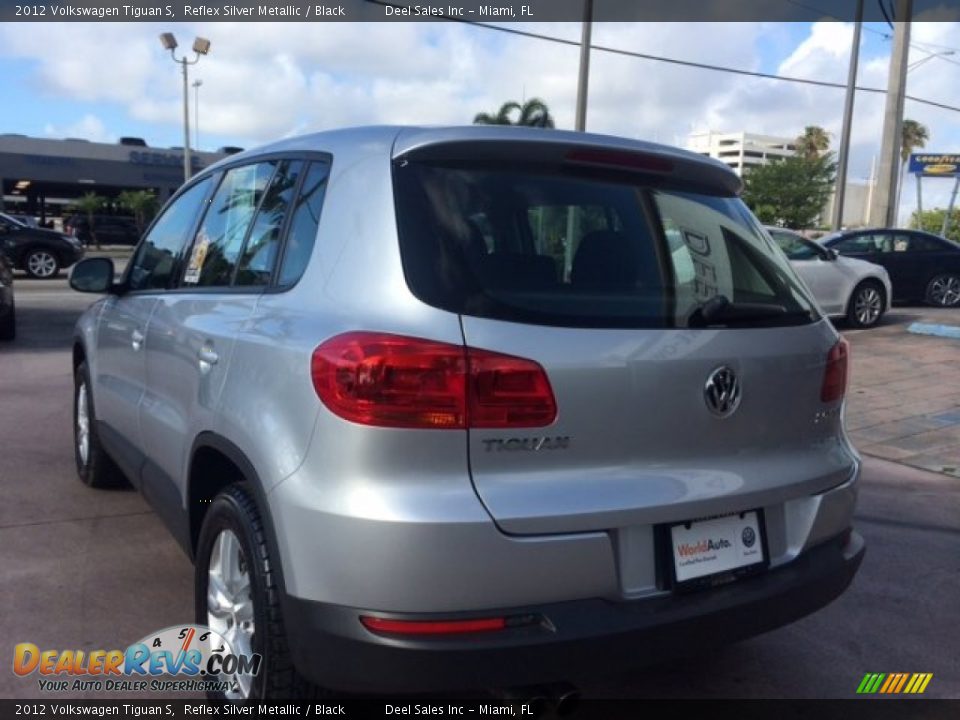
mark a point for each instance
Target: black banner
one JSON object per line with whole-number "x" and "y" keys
{"x": 406, "y": 709}
{"x": 511, "y": 11}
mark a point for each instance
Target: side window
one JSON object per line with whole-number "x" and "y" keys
{"x": 219, "y": 240}
{"x": 857, "y": 244}
{"x": 919, "y": 243}
{"x": 263, "y": 243}
{"x": 304, "y": 223}
{"x": 159, "y": 256}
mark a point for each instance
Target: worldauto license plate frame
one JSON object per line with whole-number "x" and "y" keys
{"x": 713, "y": 573}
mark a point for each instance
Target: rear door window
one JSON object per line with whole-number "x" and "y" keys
{"x": 539, "y": 246}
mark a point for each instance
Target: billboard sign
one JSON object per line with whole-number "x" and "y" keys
{"x": 931, "y": 165}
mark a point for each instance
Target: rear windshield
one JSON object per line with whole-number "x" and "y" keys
{"x": 544, "y": 246}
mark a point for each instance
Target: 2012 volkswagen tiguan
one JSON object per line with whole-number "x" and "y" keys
{"x": 470, "y": 407}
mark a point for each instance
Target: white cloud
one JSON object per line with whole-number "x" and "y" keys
{"x": 262, "y": 80}
{"x": 89, "y": 127}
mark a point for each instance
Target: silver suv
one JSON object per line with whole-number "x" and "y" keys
{"x": 472, "y": 407}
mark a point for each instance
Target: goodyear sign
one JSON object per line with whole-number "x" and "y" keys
{"x": 935, "y": 165}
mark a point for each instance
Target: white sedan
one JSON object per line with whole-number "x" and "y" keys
{"x": 843, "y": 287}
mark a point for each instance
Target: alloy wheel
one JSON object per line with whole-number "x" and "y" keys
{"x": 230, "y": 604}
{"x": 83, "y": 425}
{"x": 867, "y": 306}
{"x": 945, "y": 290}
{"x": 41, "y": 264}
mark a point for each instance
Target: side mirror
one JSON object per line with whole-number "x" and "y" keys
{"x": 829, "y": 254}
{"x": 93, "y": 275}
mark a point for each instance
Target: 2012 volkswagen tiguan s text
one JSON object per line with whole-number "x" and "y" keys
{"x": 471, "y": 407}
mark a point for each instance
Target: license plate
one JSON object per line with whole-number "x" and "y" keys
{"x": 719, "y": 545}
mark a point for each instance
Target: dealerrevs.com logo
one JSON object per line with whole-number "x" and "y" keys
{"x": 185, "y": 658}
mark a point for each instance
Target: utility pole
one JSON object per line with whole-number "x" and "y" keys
{"x": 847, "y": 121}
{"x": 584, "y": 78}
{"x": 884, "y": 211}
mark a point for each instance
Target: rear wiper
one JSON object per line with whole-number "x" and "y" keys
{"x": 719, "y": 310}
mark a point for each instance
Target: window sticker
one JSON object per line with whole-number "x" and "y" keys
{"x": 197, "y": 258}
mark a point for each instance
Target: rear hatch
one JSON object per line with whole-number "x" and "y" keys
{"x": 691, "y": 373}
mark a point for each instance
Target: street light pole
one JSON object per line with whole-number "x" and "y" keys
{"x": 196, "y": 111}
{"x": 884, "y": 212}
{"x": 847, "y": 121}
{"x": 584, "y": 76}
{"x": 201, "y": 46}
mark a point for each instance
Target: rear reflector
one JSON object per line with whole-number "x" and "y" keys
{"x": 431, "y": 627}
{"x": 620, "y": 159}
{"x": 835, "y": 372}
{"x": 395, "y": 381}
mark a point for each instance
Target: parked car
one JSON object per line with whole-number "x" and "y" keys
{"x": 110, "y": 229}
{"x": 39, "y": 252}
{"x": 8, "y": 312}
{"x": 844, "y": 287}
{"x": 923, "y": 267}
{"x": 431, "y": 408}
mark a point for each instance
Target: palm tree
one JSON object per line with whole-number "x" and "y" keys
{"x": 88, "y": 204}
{"x": 913, "y": 135}
{"x": 533, "y": 113}
{"x": 142, "y": 203}
{"x": 813, "y": 143}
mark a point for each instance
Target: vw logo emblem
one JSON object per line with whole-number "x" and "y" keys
{"x": 749, "y": 537}
{"x": 722, "y": 392}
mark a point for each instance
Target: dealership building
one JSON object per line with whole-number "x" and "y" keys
{"x": 43, "y": 177}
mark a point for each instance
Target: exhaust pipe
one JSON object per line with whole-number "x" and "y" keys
{"x": 560, "y": 698}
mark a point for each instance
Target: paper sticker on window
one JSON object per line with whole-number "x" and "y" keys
{"x": 197, "y": 257}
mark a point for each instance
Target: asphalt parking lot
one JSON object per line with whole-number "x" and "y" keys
{"x": 86, "y": 569}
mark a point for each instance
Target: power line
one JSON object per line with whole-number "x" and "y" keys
{"x": 676, "y": 61}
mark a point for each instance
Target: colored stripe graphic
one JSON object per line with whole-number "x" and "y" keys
{"x": 894, "y": 683}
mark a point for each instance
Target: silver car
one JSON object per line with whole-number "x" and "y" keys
{"x": 844, "y": 287}
{"x": 472, "y": 407}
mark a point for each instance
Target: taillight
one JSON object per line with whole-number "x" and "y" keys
{"x": 621, "y": 159}
{"x": 396, "y": 381}
{"x": 835, "y": 373}
{"x": 432, "y": 627}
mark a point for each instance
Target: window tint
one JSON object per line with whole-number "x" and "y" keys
{"x": 586, "y": 251}
{"x": 161, "y": 253}
{"x": 858, "y": 244}
{"x": 219, "y": 240}
{"x": 922, "y": 243}
{"x": 303, "y": 224}
{"x": 260, "y": 252}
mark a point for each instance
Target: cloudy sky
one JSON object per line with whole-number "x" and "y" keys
{"x": 262, "y": 81}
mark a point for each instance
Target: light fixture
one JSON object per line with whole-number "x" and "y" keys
{"x": 201, "y": 46}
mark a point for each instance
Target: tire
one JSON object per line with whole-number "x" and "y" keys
{"x": 867, "y": 304}
{"x": 944, "y": 290}
{"x": 8, "y": 325}
{"x": 94, "y": 467}
{"x": 233, "y": 525}
{"x": 41, "y": 263}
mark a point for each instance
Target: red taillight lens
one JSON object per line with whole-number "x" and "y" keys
{"x": 508, "y": 391}
{"x": 396, "y": 381}
{"x": 430, "y": 627}
{"x": 835, "y": 373}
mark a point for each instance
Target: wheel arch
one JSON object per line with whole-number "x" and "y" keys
{"x": 215, "y": 463}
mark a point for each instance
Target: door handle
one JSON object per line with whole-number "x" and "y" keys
{"x": 136, "y": 339}
{"x": 207, "y": 357}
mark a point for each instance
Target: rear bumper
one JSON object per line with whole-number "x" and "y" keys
{"x": 576, "y": 639}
